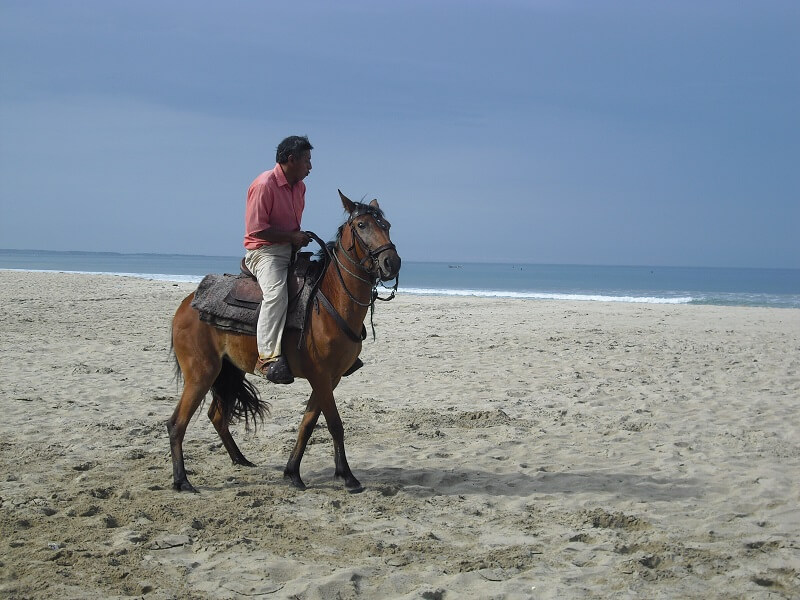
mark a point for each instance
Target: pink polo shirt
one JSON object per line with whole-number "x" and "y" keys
{"x": 272, "y": 202}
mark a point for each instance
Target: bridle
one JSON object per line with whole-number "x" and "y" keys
{"x": 371, "y": 273}
{"x": 370, "y": 256}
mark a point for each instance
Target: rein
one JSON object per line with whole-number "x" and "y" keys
{"x": 339, "y": 320}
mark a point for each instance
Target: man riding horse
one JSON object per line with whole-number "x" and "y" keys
{"x": 275, "y": 203}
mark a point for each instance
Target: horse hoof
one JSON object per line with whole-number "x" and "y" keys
{"x": 353, "y": 485}
{"x": 184, "y": 486}
{"x": 243, "y": 462}
{"x": 295, "y": 481}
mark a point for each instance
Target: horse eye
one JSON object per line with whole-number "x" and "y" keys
{"x": 361, "y": 225}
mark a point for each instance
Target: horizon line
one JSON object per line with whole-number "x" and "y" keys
{"x": 453, "y": 262}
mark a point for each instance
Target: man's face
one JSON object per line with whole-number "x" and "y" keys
{"x": 299, "y": 167}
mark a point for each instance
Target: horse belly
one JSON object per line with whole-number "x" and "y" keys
{"x": 239, "y": 348}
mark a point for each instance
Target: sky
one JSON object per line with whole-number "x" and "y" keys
{"x": 536, "y": 131}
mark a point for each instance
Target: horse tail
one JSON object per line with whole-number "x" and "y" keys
{"x": 239, "y": 398}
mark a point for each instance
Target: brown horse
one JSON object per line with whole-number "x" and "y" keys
{"x": 217, "y": 360}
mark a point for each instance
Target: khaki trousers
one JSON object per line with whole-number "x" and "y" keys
{"x": 270, "y": 265}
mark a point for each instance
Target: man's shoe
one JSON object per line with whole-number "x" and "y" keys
{"x": 355, "y": 367}
{"x": 276, "y": 371}
{"x": 261, "y": 368}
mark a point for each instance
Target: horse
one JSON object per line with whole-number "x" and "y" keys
{"x": 216, "y": 360}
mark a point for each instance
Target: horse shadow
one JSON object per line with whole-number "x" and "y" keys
{"x": 426, "y": 482}
{"x": 430, "y": 481}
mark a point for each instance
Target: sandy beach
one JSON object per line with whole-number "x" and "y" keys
{"x": 509, "y": 449}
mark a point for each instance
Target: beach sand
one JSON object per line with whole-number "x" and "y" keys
{"x": 509, "y": 449}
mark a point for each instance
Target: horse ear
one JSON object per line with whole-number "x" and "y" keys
{"x": 346, "y": 202}
{"x": 374, "y": 203}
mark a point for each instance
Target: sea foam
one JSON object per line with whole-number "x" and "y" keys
{"x": 548, "y": 296}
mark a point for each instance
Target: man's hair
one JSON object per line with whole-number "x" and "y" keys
{"x": 294, "y": 145}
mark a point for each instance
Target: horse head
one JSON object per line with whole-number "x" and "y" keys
{"x": 369, "y": 241}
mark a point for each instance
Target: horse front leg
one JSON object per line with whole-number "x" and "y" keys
{"x": 336, "y": 429}
{"x": 292, "y": 470}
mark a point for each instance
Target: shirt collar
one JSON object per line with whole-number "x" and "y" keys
{"x": 279, "y": 176}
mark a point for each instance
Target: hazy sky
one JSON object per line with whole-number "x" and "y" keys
{"x": 544, "y": 131}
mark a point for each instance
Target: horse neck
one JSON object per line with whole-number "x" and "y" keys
{"x": 331, "y": 285}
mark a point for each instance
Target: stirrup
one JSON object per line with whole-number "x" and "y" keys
{"x": 276, "y": 371}
{"x": 355, "y": 367}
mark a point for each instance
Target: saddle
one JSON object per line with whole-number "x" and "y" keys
{"x": 233, "y": 302}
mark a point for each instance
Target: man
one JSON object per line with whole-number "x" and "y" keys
{"x": 275, "y": 203}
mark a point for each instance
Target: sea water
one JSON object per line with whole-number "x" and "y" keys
{"x": 660, "y": 285}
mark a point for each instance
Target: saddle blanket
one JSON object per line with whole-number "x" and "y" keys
{"x": 233, "y": 302}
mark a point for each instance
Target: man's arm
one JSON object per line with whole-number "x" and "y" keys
{"x": 297, "y": 239}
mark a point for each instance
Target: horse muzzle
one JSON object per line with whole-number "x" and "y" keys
{"x": 388, "y": 264}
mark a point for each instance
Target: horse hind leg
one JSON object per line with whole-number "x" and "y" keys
{"x": 193, "y": 394}
{"x": 234, "y": 396}
{"x": 220, "y": 421}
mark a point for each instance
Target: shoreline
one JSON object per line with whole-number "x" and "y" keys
{"x": 508, "y": 448}
{"x": 754, "y": 300}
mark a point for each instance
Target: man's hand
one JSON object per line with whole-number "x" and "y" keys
{"x": 297, "y": 239}
{"x": 300, "y": 239}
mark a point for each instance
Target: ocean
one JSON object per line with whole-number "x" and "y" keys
{"x": 658, "y": 285}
